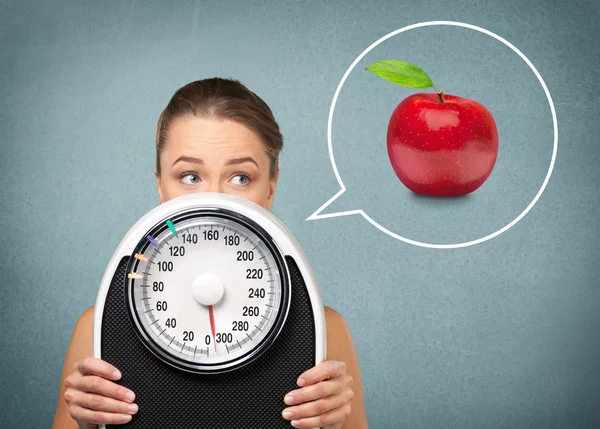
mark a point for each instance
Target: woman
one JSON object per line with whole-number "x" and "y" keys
{"x": 215, "y": 135}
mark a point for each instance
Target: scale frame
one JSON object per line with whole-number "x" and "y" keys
{"x": 283, "y": 242}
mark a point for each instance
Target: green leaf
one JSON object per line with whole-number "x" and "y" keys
{"x": 401, "y": 73}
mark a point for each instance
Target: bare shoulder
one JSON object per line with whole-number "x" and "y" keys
{"x": 81, "y": 339}
{"x": 86, "y": 320}
{"x": 340, "y": 346}
{"x": 339, "y": 338}
{"x": 332, "y": 316}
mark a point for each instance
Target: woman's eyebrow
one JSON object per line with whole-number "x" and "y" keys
{"x": 188, "y": 159}
{"x": 241, "y": 160}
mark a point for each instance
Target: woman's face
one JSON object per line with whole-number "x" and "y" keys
{"x": 214, "y": 155}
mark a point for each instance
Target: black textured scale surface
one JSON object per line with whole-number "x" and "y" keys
{"x": 250, "y": 397}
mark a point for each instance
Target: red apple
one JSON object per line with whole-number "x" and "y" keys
{"x": 442, "y": 145}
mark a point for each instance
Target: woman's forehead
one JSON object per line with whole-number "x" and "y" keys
{"x": 191, "y": 127}
{"x": 192, "y": 133}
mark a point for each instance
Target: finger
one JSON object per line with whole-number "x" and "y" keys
{"x": 323, "y": 371}
{"x": 77, "y": 383}
{"x": 333, "y": 417}
{"x": 102, "y": 403}
{"x": 318, "y": 391}
{"x": 98, "y": 417}
{"x": 95, "y": 366}
{"x": 319, "y": 407}
{"x": 100, "y": 386}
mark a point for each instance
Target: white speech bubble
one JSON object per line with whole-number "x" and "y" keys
{"x": 316, "y": 214}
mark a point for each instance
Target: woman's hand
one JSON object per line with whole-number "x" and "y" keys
{"x": 324, "y": 398}
{"x": 93, "y": 399}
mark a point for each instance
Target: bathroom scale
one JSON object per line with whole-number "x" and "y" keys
{"x": 211, "y": 311}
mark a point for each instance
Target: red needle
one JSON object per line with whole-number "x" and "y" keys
{"x": 212, "y": 324}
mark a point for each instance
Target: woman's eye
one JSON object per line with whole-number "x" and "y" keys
{"x": 190, "y": 179}
{"x": 241, "y": 179}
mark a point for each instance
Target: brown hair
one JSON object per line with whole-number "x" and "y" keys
{"x": 218, "y": 98}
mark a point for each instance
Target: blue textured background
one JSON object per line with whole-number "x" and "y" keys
{"x": 501, "y": 334}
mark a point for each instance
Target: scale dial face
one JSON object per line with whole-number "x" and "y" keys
{"x": 208, "y": 290}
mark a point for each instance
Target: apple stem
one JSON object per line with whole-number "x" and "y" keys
{"x": 440, "y": 94}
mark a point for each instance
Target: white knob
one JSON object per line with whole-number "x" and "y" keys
{"x": 207, "y": 289}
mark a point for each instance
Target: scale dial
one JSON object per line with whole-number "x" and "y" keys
{"x": 207, "y": 290}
